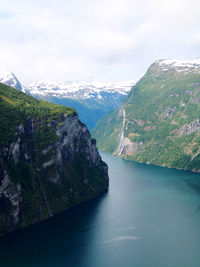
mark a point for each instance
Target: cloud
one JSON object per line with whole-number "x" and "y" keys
{"x": 95, "y": 39}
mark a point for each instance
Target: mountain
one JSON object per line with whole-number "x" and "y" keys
{"x": 48, "y": 161}
{"x": 11, "y": 80}
{"x": 79, "y": 90}
{"x": 159, "y": 121}
{"x": 91, "y": 100}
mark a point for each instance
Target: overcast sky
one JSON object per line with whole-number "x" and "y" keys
{"x": 95, "y": 40}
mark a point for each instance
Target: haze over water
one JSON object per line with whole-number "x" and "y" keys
{"x": 150, "y": 217}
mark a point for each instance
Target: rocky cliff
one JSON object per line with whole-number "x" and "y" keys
{"x": 48, "y": 161}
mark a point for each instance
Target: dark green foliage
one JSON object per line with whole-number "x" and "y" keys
{"x": 110, "y": 127}
{"x": 44, "y": 136}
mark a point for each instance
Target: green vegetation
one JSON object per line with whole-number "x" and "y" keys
{"x": 16, "y": 107}
{"x": 156, "y": 109}
{"x": 111, "y": 129}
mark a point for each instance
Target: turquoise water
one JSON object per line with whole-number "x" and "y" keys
{"x": 150, "y": 217}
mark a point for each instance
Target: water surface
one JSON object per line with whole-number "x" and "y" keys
{"x": 149, "y": 218}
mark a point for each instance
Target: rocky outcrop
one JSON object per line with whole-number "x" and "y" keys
{"x": 48, "y": 167}
{"x": 192, "y": 127}
{"x": 196, "y": 100}
{"x": 131, "y": 147}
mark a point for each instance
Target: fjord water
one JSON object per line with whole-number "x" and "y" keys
{"x": 150, "y": 217}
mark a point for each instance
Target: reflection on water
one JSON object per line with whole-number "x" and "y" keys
{"x": 149, "y": 217}
{"x": 46, "y": 241}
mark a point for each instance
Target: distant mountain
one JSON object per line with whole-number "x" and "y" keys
{"x": 159, "y": 121}
{"x": 91, "y": 100}
{"x": 11, "y": 80}
{"x": 79, "y": 90}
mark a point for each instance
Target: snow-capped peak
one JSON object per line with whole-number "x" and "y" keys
{"x": 10, "y": 79}
{"x": 71, "y": 89}
{"x": 179, "y": 65}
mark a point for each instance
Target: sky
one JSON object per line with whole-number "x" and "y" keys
{"x": 95, "y": 40}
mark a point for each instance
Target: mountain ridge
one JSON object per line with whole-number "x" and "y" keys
{"x": 90, "y": 99}
{"x": 77, "y": 89}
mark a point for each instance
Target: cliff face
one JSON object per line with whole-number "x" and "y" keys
{"x": 47, "y": 166}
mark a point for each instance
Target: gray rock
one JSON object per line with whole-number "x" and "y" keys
{"x": 192, "y": 127}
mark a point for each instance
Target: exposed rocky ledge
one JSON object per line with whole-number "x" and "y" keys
{"x": 192, "y": 127}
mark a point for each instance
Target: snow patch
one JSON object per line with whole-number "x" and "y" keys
{"x": 10, "y": 79}
{"x": 184, "y": 66}
{"x": 78, "y": 89}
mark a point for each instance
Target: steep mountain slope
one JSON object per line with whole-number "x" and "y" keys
{"x": 159, "y": 121}
{"x": 48, "y": 161}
